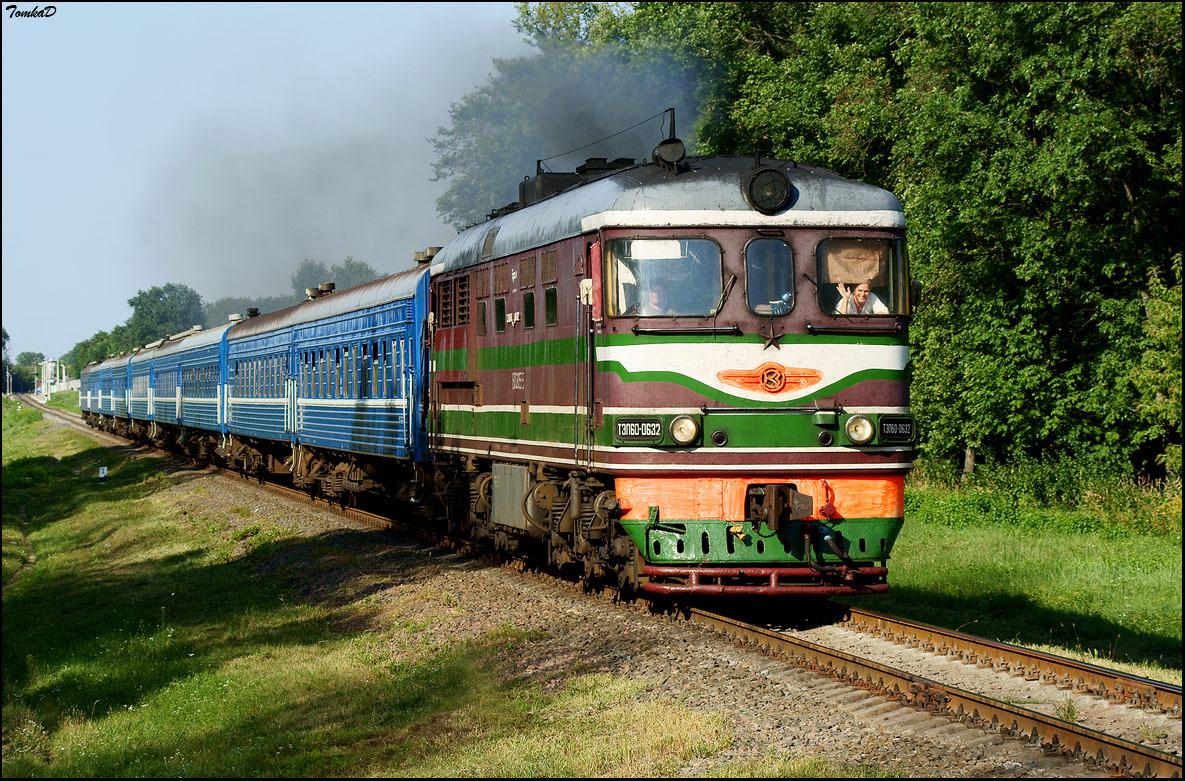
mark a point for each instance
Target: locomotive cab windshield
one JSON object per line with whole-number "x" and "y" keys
{"x": 662, "y": 277}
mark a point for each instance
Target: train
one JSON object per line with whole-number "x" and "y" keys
{"x": 683, "y": 377}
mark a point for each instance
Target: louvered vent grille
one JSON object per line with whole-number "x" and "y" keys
{"x": 502, "y": 278}
{"x": 526, "y": 272}
{"x": 551, "y": 265}
{"x": 487, "y": 246}
{"x": 463, "y": 300}
{"x": 446, "y": 303}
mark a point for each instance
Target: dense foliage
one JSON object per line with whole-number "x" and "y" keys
{"x": 22, "y": 375}
{"x": 1036, "y": 148}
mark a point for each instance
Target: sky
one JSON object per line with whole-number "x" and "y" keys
{"x": 217, "y": 146}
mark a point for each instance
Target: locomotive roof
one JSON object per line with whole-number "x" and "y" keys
{"x": 380, "y": 291}
{"x": 707, "y": 191}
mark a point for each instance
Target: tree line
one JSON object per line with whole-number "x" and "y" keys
{"x": 161, "y": 311}
{"x": 22, "y": 372}
{"x": 1036, "y": 149}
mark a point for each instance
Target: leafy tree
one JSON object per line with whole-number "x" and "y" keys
{"x": 30, "y": 359}
{"x": 96, "y": 348}
{"x": 348, "y": 273}
{"x": 218, "y": 312}
{"x": 1157, "y": 376}
{"x": 157, "y": 313}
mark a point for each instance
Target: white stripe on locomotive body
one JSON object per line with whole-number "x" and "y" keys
{"x": 667, "y": 449}
{"x": 881, "y": 218}
{"x": 700, "y": 362}
{"x": 544, "y": 409}
{"x": 511, "y": 456}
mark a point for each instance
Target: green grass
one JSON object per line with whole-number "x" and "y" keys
{"x": 1061, "y": 575}
{"x": 64, "y": 400}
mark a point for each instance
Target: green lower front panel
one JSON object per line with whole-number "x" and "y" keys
{"x": 674, "y": 542}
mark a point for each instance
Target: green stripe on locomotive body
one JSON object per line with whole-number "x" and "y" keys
{"x": 552, "y": 421}
{"x": 687, "y": 542}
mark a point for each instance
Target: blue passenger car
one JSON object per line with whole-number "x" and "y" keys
{"x": 197, "y": 359}
{"x": 342, "y": 372}
{"x": 91, "y": 388}
{"x": 112, "y": 387}
{"x": 257, "y": 364}
{"x": 140, "y": 385}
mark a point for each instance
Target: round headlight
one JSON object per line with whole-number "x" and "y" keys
{"x": 684, "y": 430}
{"x": 859, "y": 430}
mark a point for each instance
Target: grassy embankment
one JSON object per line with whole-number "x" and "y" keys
{"x": 64, "y": 400}
{"x": 145, "y": 642}
{"x": 1058, "y": 557}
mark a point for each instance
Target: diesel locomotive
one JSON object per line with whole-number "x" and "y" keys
{"x": 688, "y": 376}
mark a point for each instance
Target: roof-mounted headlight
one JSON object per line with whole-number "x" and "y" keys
{"x": 859, "y": 430}
{"x": 684, "y": 429}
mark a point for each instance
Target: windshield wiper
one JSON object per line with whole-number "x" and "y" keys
{"x": 724, "y": 294}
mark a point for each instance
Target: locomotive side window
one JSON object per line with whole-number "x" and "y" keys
{"x": 529, "y": 309}
{"x": 769, "y": 277}
{"x": 481, "y": 318}
{"x": 551, "y": 306}
{"x": 662, "y": 277}
{"x": 499, "y": 314}
{"x": 863, "y": 277}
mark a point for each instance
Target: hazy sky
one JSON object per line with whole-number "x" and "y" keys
{"x": 217, "y": 146}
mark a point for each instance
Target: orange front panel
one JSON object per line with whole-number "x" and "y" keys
{"x": 723, "y": 498}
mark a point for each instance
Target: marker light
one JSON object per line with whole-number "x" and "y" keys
{"x": 859, "y": 430}
{"x": 684, "y": 430}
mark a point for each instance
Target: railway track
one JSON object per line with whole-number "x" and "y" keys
{"x": 962, "y": 703}
{"x": 1140, "y": 735}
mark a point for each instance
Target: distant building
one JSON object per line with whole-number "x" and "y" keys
{"x": 52, "y": 378}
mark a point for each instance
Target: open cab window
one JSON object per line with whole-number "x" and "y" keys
{"x": 662, "y": 277}
{"x": 859, "y": 276}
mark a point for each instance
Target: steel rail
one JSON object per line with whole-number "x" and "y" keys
{"x": 1033, "y": 665}
{"x": 1110, "y": 752}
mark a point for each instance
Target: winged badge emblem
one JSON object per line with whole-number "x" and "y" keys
{"x": 772, "y": 378}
